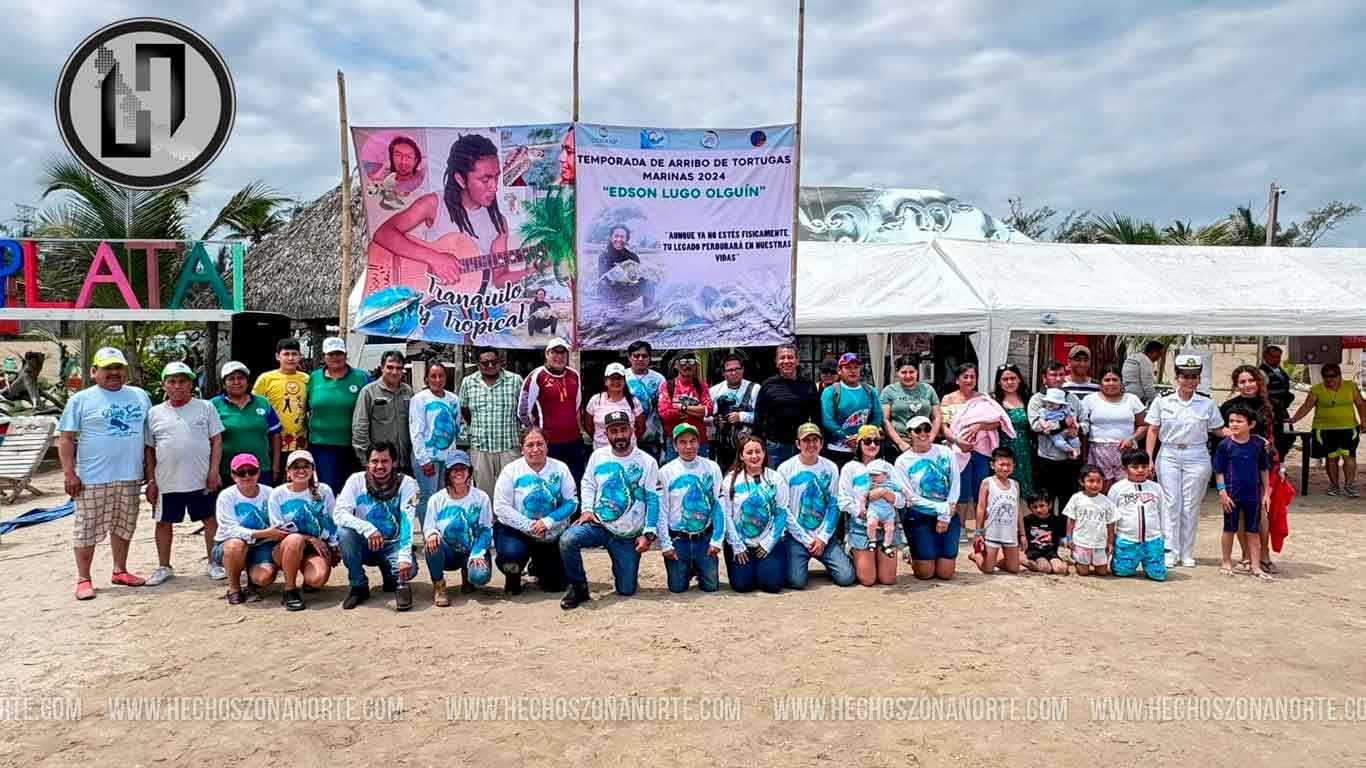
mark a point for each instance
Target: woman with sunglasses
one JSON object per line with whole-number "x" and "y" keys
{"x": 245, "y": 539}
{"x": 302, "y": 507}
{"x": 1337, "y": 406}
{"x": 458, "y": 529}
{"x": 1012, "y": 393}
{"x": 1183, "y": 422}
{"x": 932, "y": 486}
{"x": 872, "y": 563}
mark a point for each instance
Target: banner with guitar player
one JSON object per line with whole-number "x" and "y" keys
{"x": 685, "y": 236}
{"x": 471, "y": 233}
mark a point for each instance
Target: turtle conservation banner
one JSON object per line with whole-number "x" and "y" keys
{"x": 471, "y": 233}
{"x": 684, "y": 236}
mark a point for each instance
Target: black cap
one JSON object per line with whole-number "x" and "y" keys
{"x": 616, "y": 417}
{"x": 828, "y": 366}
{"x": 685, "y": 354}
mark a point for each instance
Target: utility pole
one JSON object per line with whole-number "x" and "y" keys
{"x": 1272, "y": 208}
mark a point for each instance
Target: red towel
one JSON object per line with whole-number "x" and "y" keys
{"x": 1282, "y": 493}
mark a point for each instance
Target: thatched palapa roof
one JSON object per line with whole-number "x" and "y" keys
{"x": 296, "y": 270}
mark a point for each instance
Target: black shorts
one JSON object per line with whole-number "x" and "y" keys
{"x": 1327, "y": 443}
{"x": 1249, "y": 510}
{"x": 197, "y": 504}
{"x": 1041, "y": 554}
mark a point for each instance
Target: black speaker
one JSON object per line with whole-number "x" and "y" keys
{"x": 254, "y": 335}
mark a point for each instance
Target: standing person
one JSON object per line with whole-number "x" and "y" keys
{"x": 184, "y": 440}
{"x": 733, "y": 397}
{"x": 1055, "y": 469}
{"x": 755, "y": 500}
{"x": 250, "y": 425}
{"x": 1138, "y": 531}
{"x": 331, "y": 394}
{"x": 1000, "y": 527}
{"x": 1338, "y": 413}
{"x": 615, "y": 397}
{"x": 645, "y": 383}
{"x": 873, "y": 564}
{"x": 304, "y": 509}
{"x": 1091, "y": 518}
{"x": 813, "y": 501}
{"x": 620, "y": 494}
{"x": 532, "y": 504}
{"x": 433, "y": 426}
{"x": 1138, "y": 374}
{"x": 906, "y": 399}
{"x": 972, "y": 425}
{"x": 1250, "y": 388}
{"x": 1115, "y": 420}
{"x": 1183, "y": 422}
{"x": 489, "y": 404}
{"x": 1281, "y": 396}
{"x": 381, "y": 414}
{"x": 287, "y": 390}
{"x": 846, "y": 406}
{"x": 458, "y": 527}
{"x": 932, "y": 480}
{"x": 551, "y": 398}
{"x": 685, "y": 399}
{"x": 1012, "y": 394}
{"x": 692, "y": 524}
{"x": 375, "y": 514}
{"x": 104, "y": 469}
{"x": 784, "y": 403}
{"x": 1242, "y": 475}
{"x": 245, "y": 539}
{"x": 829, "y": 374}
{"x": 1078, "y": 381}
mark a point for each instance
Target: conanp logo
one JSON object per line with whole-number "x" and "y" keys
{"x": 145, "y": 103}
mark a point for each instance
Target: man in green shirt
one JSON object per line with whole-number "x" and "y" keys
{"x": 332, "y": 394}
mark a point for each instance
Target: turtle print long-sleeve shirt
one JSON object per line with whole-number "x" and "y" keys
{"x": 690, "y": 500}
{"x": 308, "y": 515}
{"x": 812, "y": 498}
{"x": 756, "y": 509}
{"x": 524, "y": 495}
{"x": 466, "y": 524}
{"x": 622, "y": 492}
{"x": 393, "y": 519}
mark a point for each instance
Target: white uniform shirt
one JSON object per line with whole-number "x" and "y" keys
{"x": 1184, "y": 423}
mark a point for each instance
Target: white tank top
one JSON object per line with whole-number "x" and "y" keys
{"x": 1003, "y": 512}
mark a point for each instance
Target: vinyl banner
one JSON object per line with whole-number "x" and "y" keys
{"x": 685, "y": 236}
{"x": 471, "y": 233}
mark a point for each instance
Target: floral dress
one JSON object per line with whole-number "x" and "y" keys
{"x": 1022, "y": 444}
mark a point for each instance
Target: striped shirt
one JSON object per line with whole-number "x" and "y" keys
{"x": 493, "y": 412}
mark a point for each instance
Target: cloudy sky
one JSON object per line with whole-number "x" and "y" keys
{"x": 1158, "y": 109}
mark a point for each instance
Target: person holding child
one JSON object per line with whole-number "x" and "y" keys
{"x": 1091, "y": 520}
{"x": 1138, "y": 531}
{"x": 1242, "y": 465}
{"x": 1044, "y": 533}
{"x": 1056, "y": 416}
{"x": 999, "y": 527}
{"x": 874, "y": 556}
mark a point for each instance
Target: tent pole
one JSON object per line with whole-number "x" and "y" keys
{"x": 797, "y": 160}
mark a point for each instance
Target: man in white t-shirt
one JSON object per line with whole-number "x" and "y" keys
{"x": 739, "y": 395}
{"x": 184, "y": 441}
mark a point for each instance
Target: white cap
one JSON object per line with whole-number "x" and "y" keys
{"x": 919, "y": 421}
{"x": 615, "y": 369}
{"x": 333, "y": 344}
{"x": 1189, "y": 363}
{"x": 557, "y": 342}
{"x": 107, "y": 356}
{"x": 1055, "y": 395}
{"x": 232, "y": 366}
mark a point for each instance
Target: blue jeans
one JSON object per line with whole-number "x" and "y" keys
{"x": 834, "y": 558}
{"x": 693, "y": 560}
{"x": 511, "y": 546}
{"x": 428, "y": 486}
{"x": 779, "y": 452}
{"x": 447, "y": 558}
{"x": 573, "y": 453}
{"x": 356, "y": 554}
{"x": 670, "y": 454}
{"x": 334, "y": 463}
{"x": 766, "y": 573}
{"x": 625, "y": 558}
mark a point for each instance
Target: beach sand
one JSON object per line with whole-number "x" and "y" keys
{"x": 1199, "y": 635}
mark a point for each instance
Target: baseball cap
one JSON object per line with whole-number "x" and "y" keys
{"x": 232, "y": 366}
{"x": 1189, "y": 363}
{"x": 333, "y": 344}
{"x": 919, "y": 421}
{"x": 681, "y": 429}
{"x": 243, "y": 460}
{"x": 615, "y": 369}
{"x": 1078, "y": 351}
{"x": 556, "y": 343}
{"x": 828, "y": 366}
{"x": 808, "y": 429}
{"x": 685, "y": 356}
{"x": 176, "y": 368}
{"x": 1055, "y": 395}
{"x": 106, "y": 356}
{"x": 849, "y": 358}
{"x": 614, "y": 418}
{"x": 869, "y": 431}
{"x": 300, "y": 455}
{"x": 459, "y": 457}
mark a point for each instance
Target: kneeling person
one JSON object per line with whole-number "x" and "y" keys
{"x": 458, "y": 528}
{"x": 813, "y": 498}
{"x": 245, "y": 539}
{"x": 620, "y": 497}
{"x": 375, "y": 514}
{"x": 303, "y": 508}
{"x": 692, "y": 525}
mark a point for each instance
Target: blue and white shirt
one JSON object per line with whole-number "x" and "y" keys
{"x": 932, "y": 481}
{"x": 433, "y": 426}
{"x": 690, "y": 500}
{"x": 466, "y": 524}
{"x": 622, "y": 492}
{"x": 523, "y": 495}
{"x": 645, "y": 389}
{"x": 756, "y": 509}
{"x": 812, "y": 498}
{"x": 110, "y": 427}
{"x": 240, "y": 517}
{"x": 310, "y": 514}
{"x": 393, "y": 519}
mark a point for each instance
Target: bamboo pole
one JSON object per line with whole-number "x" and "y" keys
{"x": 576, "y": 61}
{"x": 797, "y": 158}
{"x": 345, "y": 208}
{"x": 574, "y": 279}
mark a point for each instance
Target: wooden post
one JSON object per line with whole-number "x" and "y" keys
{"x": 576, "y": 62}
{"x": 1272, "y": 209}
{"x": 345, "y": 207}
{"x": 797, "y": 157}
{"x": 574, "y": 278}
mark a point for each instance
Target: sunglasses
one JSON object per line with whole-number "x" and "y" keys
{"x": 922, "y": 430}
{"x": 871, "y": 441}
{"x": 246, "y": 472}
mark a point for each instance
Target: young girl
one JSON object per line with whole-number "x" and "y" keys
{"x": 880, "y": 513}
{"x": 1044, "y": 533}
{"x": 303, "y": 508}
{"x": 1091, "y": 519}
{"x": 998, "y": 516}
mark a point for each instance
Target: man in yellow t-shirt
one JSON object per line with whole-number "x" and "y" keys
{"x": 287, "y": 390}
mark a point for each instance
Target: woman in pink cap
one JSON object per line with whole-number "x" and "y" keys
{"x": 245, "y": 539}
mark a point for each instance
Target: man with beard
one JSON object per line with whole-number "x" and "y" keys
{"x": 784, "y": 403}
{"x": 375, "y": 514}
{"x": 620, "y": 503}
{"x": 619, "y": 277}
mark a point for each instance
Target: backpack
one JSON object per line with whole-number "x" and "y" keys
{"x": 737, "y": 432}
{"x": 835, "y": 399}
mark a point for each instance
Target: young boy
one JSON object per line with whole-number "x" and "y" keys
{"x": 1138, "y": 532}
{"x": 1044, "y": 532}
{"x": 1242, "y": 468}
{"x": 287, "y": 390}
{"x": 1091, "y": 524}
{"x": 999, "y": 526}
{"x": 880, "y": 513}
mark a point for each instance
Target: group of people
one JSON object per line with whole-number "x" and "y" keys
{"x": 371, "y": 474}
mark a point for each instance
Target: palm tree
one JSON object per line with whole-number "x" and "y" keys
{"x": 1120, "y": 229}
{"x": 1244, "y": 230}
{"x": 255, "y": 212}
{"x": 1185, "y": 233}
{"x": 550, "y": 222}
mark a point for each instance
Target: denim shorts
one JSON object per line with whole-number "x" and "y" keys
{"x": 856, "y": 534}
{"x": 926, "y": 543}
{"x": 977, "y": 469}
{"x": 260, "y": 553}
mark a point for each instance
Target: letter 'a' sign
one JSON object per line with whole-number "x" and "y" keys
{"x": 145, "y": 103}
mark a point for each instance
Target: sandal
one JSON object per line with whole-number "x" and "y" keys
{"x": 1270, "y": 567}
{"x": 127, "y": 579}
{"x": 1226, "y": 572}
{"x": 1243, "y": 567}
{"x": 235, "y": 598}
{"x": 85, "y": 589}
{"x": 1263, "y": 576}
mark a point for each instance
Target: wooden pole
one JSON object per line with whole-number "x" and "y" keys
{"x": 576, "y": 61}
{"x": 345, "y": 208}
{"x": 797, "y": 157}
{"x": 574, "y": 278}
{"x": 1272, "y": 209}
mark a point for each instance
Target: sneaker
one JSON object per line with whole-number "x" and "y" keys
{"x": 1350, "y": 491}
{"x": 160, "y": 575}
{"x": 355, "y": 597}
{"x": 403, "y": 597}
{"x": 1188, "y": 562}
{"x": 1333, "y": 490}
{"x": 575, "y": 597}
{"x": 513, "y": 584}
{"x": 293, "y": 600}
{"x": 216, "y": 572}
{"x": 1170, "y": 560}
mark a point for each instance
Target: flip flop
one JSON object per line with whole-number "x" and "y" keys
{"x": 127, "y": 579}
{"x": 1263, "y": 576}
{"x": 1243, "y": 567}
{"x": 1270, "y": 567}
{"x": 1226, "y": 572}
{"x": 85, "y": 589}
